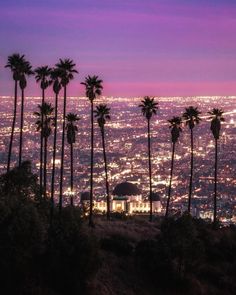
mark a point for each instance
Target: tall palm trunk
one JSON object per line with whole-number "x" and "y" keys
{"x": 62, "y": 151}
{"x": 12, "y": 129}
{"x": 150, "y": 170}
{"x": 71, "y": 174}
{"x": 106, "y": 174}
{"x": 171, "y": 175}
{"x": 41, "y": 150}
{"x": 45, "y": 166}
{"x": 91, "y": 172}
{"x": 215, "y": 187}
{"x": 191, "y": 174}
{"x": 54, "y": 154}
{"x": 21, "y": 125}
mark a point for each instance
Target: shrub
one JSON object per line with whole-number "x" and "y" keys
{"x": 181, "y": 235}
{"x": 119, "y": 215}
{"x": 117, "y": 244}
{"x": 71, "y": 257}
{"x": 22, "y": 235}
{"x": 36, "y": 257}
{"x": 153, "y": 260}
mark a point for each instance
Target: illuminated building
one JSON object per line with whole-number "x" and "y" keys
{"x": 127, "y": 198}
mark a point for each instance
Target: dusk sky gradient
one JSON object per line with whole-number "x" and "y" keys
{"x": 152, "y": 47}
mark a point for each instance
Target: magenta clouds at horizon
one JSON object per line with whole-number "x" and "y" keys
{"x": 152, "y": 47}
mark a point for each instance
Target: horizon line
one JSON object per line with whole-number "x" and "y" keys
{"x": 131, "y": 97}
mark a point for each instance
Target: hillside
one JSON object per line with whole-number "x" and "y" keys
{"x": 57, "y": 253}
{"x": 120, "y": 271}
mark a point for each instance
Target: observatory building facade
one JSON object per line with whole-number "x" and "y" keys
{"x": 127, "y": 198}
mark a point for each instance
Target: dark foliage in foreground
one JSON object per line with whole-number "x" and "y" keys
{"x": 117, "y": 244}
{"x": 36, "y": 257}
{"x": 189, "y": 256}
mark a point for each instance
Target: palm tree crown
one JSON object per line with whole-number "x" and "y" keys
{"x": 216, "y": 119}
{"x": 46, "y": 110}
{"x": 175, "y": 124}
{"x": 71, "y": 127}
{"x": 191, "y": 116}
{"x": 55, "y": 76}
{"x": 102, "y": 113}
{"x": 25, "y": 70}
{"x": 93, "y": 87}
{"x": 42, "y": 75}
{"x": 148, "y": 107}
{"x": 67, "y": 69}
{"x": 15, "y": 62}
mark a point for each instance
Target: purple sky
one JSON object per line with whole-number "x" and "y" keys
{"x": 151, "y": 47}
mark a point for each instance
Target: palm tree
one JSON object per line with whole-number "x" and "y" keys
{"x": 45, "y": 126}
{"x": 71, "y": 132}
{"x": 102, "y": 113}
{"x": 14, "y": 62}
{"x": 216, "y": 119}
{"x": 55, "y": 77}
{"x": 93, "y": 87}
{"x": 26, "y": 70}
{"x": 42, "y": 76}
{"x": 191, "y": 118}
{"x": 67, "y": 68}
{"x": 148, "y": 108}
{"x": 175, "y": 123}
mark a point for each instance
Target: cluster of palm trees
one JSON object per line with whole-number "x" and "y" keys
{"x": 47, "y": 118}
{"x": 59, "y": 78}
{"x": 191, "y": 117}
{"x": 20, "y": 69}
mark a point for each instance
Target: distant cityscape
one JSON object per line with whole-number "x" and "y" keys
{"x": 126, "y": 139}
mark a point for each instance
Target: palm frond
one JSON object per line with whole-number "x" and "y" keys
{"x": 93, "y": 86}
{"x": 148, "y": 107}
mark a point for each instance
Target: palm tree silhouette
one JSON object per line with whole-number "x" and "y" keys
{"x": 55, "y": 77}
{"x": 71, "y": 134}
{"x": 175, "y": 124}
{"x": 216, "y": 119}
{"x": 67, "y": 68}
{"x": 45, "y": 126}
{"x": 42, "y": 76}
{"x": 191, "y": 118}
{"x": 26, "y": 70}
{"x": 93, "y": 87}
{"x": 102, "y": 113}
{"x": 148, "y": 108}
{"x": 14, "y": 62}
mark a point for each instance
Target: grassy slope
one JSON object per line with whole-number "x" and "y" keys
{"x": 117, "y": 273}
